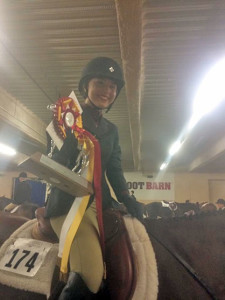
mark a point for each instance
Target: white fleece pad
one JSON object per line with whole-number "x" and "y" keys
{"x": 147, "y": 274}
{"x": 41, "y": 281}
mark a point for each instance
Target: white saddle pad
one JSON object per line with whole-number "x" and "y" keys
{"x": 40, "y": 282}
{"x": 147, "y": 273}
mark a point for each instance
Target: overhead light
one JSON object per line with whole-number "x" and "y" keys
{"x": 6, "y": 150}
{"x": 210, "y": 93}
{"x": 163, "y": 166}
{"x": 175, "y": 147}
{"x": 193, "y": 121}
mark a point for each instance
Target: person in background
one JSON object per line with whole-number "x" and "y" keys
{"x": 22, "y": 193}
{"x": 100, "y": 85}
{"x": 220, "y": 204}
{"x": 132, "y": 195}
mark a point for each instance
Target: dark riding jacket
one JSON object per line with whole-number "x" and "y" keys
{"x": 59, "y": 202}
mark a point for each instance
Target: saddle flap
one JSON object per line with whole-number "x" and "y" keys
{"x": 120, "y": 258}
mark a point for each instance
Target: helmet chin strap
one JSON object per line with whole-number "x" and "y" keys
{"x": 93, "y": 105}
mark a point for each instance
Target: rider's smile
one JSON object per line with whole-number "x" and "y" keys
{"x": 102, "y": 92}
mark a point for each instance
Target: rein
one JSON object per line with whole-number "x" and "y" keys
{"x": 186, "y": 266}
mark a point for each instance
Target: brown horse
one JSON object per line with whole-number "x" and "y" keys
{"x": 122, "y": 259}
{"x": 8, "y": 224}
{"x": 4, "y": 201}
{"x": 26, "y": 210}
{"x": 190, "y": 255}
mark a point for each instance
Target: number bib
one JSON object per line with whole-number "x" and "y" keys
{"x": 25, "y": 256}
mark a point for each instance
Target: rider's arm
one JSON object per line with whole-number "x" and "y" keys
{"x": 69, "y": 151}
{"x": 117, "y": 180}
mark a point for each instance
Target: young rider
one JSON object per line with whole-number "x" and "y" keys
{"x": 100, "y": 85}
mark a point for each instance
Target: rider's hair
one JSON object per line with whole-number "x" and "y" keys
{"x": 23, "y": 175}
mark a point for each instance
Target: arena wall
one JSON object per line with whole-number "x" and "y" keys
{"x": 173, "y": 187}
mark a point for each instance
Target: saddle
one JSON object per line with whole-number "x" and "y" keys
{"x": 121, "y": 274}
{"x": 119, "y": 257}
{"x": 42, "y": 230}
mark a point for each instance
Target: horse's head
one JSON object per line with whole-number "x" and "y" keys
{"x": 4, "y": 201}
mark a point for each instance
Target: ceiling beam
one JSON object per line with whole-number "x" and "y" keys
{"x": 14, "y": 113}
{"x": 129, "y": 16}
{"x": 209, "y": 155}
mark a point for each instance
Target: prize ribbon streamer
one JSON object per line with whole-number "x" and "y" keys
{"x": 67, "y": 107}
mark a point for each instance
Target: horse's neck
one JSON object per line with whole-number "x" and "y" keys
{"x": 185, "y": 232}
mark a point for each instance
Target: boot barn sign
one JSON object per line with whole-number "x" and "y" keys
{"x": 151, "y": 187}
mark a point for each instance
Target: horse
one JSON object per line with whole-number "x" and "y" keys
{"x": 26, "y": 210}
{"x": 207, "y": 207}
{"x": 190, "y": 256}
{"x": 168, "y": 209}
{"x": 8, "y": 224}
{"x": 162, "y": 209}
{"x": 181, "y": 245}
{"x": 128, "y": 250}
{"x": 4, "y": 201}
{"x": 187, "y": 208}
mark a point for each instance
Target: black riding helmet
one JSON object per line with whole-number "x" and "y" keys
{"x": 104, "y": 67}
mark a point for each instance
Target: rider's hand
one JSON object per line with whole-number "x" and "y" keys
{"x": 69, "y": 151}
{"x": 70, "y": 139}
{"x": 133, "y": 207}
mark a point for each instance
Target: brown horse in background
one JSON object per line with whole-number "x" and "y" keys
{"x": 4, "y": 201}
{"x": 26, "y": 210}
{"x": 190, "y": 255}
{"x": 8, "y": 224}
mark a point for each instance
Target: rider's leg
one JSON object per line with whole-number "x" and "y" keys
{"x": 85, "y": 255}
{"x": 75, "y": 289}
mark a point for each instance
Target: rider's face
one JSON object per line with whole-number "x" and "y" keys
{"x": 220, "y": 205}
{"x": 102, "y": 92}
